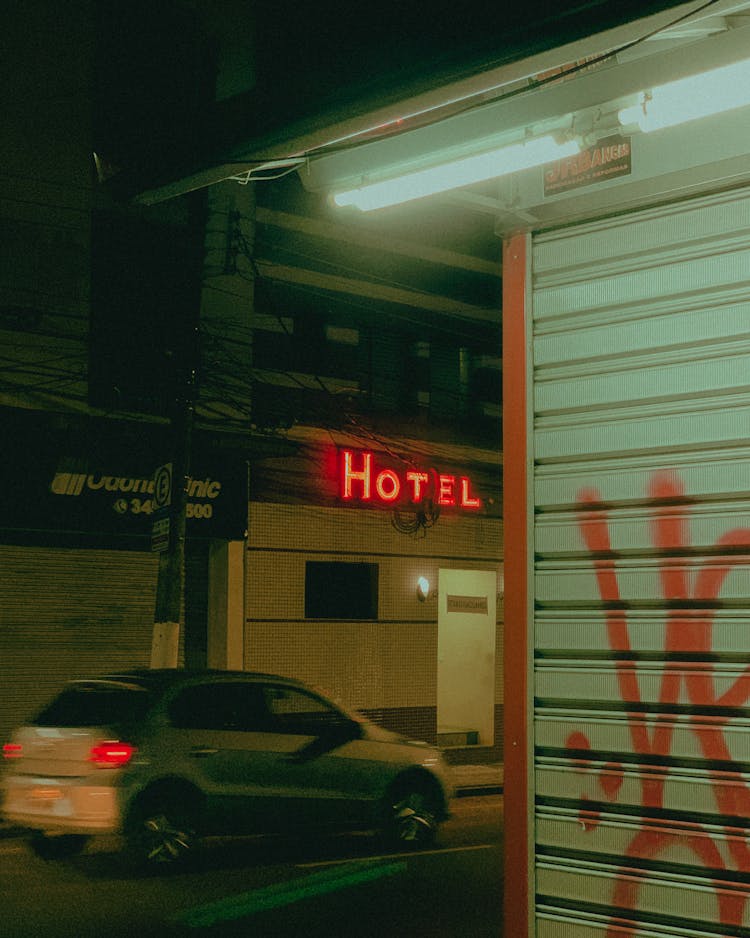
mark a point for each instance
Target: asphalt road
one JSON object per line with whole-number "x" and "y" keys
{"x": 338, "y": 887}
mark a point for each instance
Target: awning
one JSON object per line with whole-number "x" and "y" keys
{"x": 488, "y": 59}
{"x": 596, "y": 104}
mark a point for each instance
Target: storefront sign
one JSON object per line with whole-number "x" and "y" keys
{"x": 160, "y": 535}
{"x": 127, "y": 495}
{"x": 163, "y": 486}
{"x": 608, "y": 159}
{"x": 361, "y": 479}
{"x": 92, "y": 481}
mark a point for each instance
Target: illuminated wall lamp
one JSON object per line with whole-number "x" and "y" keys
{"x": 677, "y": 102}
{"x": 423, "y": 589}
{"x": 453, "y": 175}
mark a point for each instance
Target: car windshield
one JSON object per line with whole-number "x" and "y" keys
{"x": 95, "y": 703}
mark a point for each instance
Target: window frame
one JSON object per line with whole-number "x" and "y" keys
{"x": 326, "y": 599}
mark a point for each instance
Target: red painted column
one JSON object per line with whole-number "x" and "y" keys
{"x": 516, "y": 309}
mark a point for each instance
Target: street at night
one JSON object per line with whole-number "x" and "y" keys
{"x": 375, "y": 424}
{"x": 329, "y": 888}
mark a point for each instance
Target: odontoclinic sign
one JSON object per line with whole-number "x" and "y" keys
{"x": 215, "y": 506}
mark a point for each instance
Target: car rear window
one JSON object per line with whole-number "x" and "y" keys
{"x": 96, "y": 704}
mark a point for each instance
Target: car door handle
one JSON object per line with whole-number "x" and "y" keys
{"x": 200, "y": 751}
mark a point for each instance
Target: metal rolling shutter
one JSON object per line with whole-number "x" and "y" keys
{"x": 67, "y": 614}
{"x": 642, "y": 574}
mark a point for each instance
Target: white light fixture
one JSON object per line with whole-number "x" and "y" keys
{"x": 687, "y": 99}
{"x": 423, "y": 589}
{"x": 462, "y": 172}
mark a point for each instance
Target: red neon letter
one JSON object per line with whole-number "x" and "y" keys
{"x": 466, "y": 500}
{"x": 363, "y": 476}
{"x": 417, "y": 479}
{"x": 445, "y": 490}
{"x": 387, "y": 485}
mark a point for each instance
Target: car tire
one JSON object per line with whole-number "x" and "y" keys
{"x": 159, "y": 834}
{"x": 412, "y": 811}
{"x": 57, "y": 846}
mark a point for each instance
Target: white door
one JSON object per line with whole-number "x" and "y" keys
{"x": 466, "y": 653}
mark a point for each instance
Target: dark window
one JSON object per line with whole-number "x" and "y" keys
{"x": 221, "y": 706}
{"x": 96, "y": 704}
{"x": 298, "y": 713}
{"x": 337, "y": 590}
{"x": 388, "y": 371}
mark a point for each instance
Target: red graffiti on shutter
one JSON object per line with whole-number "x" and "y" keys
{"x": 689, "y": 629}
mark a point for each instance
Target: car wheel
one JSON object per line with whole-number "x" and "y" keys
{"x": 412, "y": 812}
{"x": 57, "y": 846}
{"x": 160, "y": 835}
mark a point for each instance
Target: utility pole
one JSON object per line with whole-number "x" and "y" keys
{"x": 171, "y": 576}
{"x": 184, "y": 354}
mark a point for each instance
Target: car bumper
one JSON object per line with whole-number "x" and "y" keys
{"x": 59, "y": 805}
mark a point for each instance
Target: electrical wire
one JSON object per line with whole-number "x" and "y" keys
{"x": 84, "y": 210}
{"x": 11, "y": 366}
{"x": 61, "y": 382}
{"x": 312, "y": 291}
{"x": 73, "y": 313}
{"x": 268, "y": 178}
{"x": 356, "y": 428}
{"x": 232, "y": 360}
{"x": 443, "y": 326}
{"x": 253, "y": 261}
{"x": 447, "y": 390}
{"x": 353, "y": 420}
{"x": 30, "y": 177}
{"x": 360, "y": 271}
{"x": 437, "y": 388}
{"x": 45, "y": 223}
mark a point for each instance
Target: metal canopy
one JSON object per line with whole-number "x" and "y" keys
{"x": 586, "y": 104}
{"x": 374, "y": 114}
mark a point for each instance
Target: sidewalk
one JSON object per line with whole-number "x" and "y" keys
{"x": 477, "y": 779}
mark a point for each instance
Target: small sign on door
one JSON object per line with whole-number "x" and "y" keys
{"x": 476, "y": 604}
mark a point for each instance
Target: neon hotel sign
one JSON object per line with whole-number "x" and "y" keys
{"x": 362, "y": 480}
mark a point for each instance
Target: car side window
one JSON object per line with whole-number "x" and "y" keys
{"x": 296, "y": 712}
{"x": 220, "y": 706}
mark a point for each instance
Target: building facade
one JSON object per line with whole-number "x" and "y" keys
{"x": 625, "y": 316}
{"x": 293, "y": 341}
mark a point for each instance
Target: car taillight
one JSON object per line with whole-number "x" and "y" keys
{"x": 12, "y": 751}
{"x": 111, "y": 755}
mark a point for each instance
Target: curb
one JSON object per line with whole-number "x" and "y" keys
{"x": 472, "y": 791}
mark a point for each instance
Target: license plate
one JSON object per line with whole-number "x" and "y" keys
{"x": 41, "y": 796}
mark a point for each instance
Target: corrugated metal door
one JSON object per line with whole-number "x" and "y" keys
{"x": 642, "y": 576}
{"x": 66, "y": 614}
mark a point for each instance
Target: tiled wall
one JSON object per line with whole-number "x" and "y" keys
{"x": 387, "y": 668}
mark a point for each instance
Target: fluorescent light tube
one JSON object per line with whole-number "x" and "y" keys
{"x": 463, "y": 172}
{"x": 687, "y": 99}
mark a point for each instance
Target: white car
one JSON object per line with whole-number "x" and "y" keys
{"x": 164, "y": 757}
